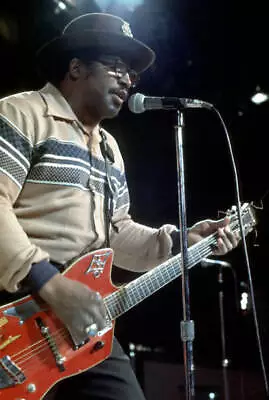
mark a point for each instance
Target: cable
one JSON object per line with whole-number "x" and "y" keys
{"x": 238, "y": 203}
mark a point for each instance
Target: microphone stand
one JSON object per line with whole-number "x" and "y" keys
{"x": 225, "y": 362}
{"x": 187, "y": 325}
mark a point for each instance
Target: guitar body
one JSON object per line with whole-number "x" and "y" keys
{"x": 34, "y": 350}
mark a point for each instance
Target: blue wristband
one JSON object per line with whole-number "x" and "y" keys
{"x": 40, "y": 274}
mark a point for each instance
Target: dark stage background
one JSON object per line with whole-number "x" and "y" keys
{"x": 215, "y": 51}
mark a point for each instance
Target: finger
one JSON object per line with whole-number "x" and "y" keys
{"x": 221, "y": 248}
{"x": 233, "y": 238}
{"x": 220, "y": 223}
{"x": 223, "y": 234}
{"x": 99, "y": 320}
{"x": 98, "y": 314}
{"x": 225, "y": 241}
{"x": 98, "y": 301}
{"x": 226, "y": 221}
{"x": 229, "y": 238}
{"x": 237, "y": 236}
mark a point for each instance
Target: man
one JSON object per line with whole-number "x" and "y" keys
{"x": 63, "y": 189}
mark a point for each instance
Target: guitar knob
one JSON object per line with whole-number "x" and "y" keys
{"x": 98, "y": 345}
{"x": 31, "y": 388}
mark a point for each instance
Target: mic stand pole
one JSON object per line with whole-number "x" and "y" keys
{"x": 187, "y": 325}
{"x": 225, "y": 362}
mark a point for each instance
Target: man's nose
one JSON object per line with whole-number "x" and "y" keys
{"x": 125, "y": 80}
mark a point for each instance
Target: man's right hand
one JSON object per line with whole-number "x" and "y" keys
{"x": 75, "y": 305}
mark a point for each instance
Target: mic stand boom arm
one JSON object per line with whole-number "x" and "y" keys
{"x": 187, "y": 325}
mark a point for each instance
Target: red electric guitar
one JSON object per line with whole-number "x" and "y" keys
{"x": 36, "y": 350}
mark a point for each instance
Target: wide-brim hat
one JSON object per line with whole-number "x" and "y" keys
{"x": 100, "y": 32}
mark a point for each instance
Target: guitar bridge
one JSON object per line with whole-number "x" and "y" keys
{"x": 10, "y": 374}
{"x": 59, "y": 359}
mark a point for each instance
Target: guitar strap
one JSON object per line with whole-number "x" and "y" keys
{"x": 108, "y": 156}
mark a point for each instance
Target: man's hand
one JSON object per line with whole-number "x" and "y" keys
{"x": 226, "y": 239}
{"x": 75, "y": 305}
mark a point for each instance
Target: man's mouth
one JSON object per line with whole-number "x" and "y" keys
{"x": 121, "y": 94}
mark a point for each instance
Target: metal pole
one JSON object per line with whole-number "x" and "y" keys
{"x": 187, "y": 325}
{"x": 225, "y": 361}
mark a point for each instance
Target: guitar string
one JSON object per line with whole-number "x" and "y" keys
{"x": 23, "y": 358}
{"x": 28, "y": 347}
{"x": 40, "y": 343}
{"x": 211, "y": 240}
{"x": 44, "y": 347}
{"x": 55, "y": 333}
{"x": 118, "y": 301}
{"x": 41, "y": 349}
{"x": 61, "y": 333}
{"x": 196, "y": 256}
{"x": 32, "y": 345}
{"x": 110, "y": 301}
{"x": 30, "y": 367}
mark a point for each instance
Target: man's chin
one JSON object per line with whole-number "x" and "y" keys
{"x": 113, "y": 110}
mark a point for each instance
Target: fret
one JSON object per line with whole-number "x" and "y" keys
{"x": 139, "y": 289}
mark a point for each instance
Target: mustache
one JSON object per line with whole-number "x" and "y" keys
{"x": 122, "y": 93}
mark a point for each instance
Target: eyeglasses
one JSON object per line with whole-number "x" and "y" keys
{"x": 119, "y": 69}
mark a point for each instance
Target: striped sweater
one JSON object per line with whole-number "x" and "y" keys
{"x": 52, "y": 182}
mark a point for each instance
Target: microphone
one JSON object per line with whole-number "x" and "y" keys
{"x": 207, "y": 262}
{"x": 139, "y": 103}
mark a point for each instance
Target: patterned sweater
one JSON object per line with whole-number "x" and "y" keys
{"x": 52, "y": 182}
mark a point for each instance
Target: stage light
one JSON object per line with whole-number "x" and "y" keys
{"x": 131, "y": 349}
{"x": 130, "y": 5}
{"x": 225, "y": 362}
{"x": 211, "y": 395}
{"x": 63, "y": 5}
{"x": 60, "y": 6}
{"x": 259, "y": 97}
{"x": 244, "y": 301}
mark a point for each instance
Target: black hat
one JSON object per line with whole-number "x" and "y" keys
{"x": 103, "y": 32}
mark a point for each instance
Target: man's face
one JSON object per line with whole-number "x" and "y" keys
{"x": 106, "y": 86}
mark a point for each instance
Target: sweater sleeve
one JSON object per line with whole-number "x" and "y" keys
{"x": 16, "y": 147}
{"x": 138, "y": 247}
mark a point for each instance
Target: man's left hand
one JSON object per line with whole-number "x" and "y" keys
{"x": 226, "y": 239}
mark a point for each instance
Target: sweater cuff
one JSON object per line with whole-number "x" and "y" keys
{"x": 40, "y": 274}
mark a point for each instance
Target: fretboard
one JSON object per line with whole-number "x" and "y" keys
{"x": 139, "y": 289}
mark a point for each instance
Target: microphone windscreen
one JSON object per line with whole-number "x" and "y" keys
{"x": 136, "y": 103}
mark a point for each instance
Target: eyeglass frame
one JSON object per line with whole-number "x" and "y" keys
{"x": 112, "y": 66}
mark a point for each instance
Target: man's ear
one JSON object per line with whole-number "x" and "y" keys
{"x": 75, "y": 69}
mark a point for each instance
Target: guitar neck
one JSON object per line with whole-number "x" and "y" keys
{"x": 139, "y": 289}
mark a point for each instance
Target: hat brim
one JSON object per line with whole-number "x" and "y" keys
{"x": 139, "y": 56}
